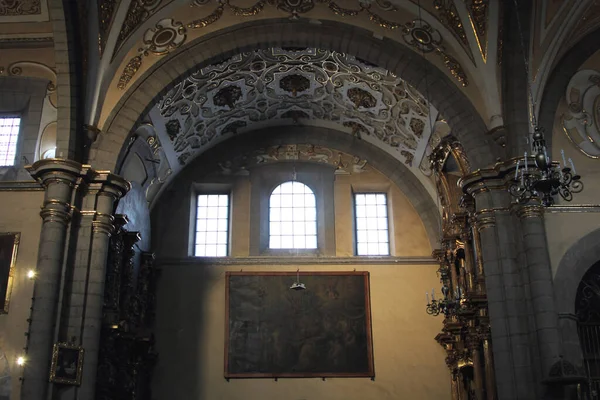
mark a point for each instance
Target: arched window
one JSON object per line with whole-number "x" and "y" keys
{"x": 292, "y": 217}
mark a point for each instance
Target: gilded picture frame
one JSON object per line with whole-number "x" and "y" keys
{"x": 300, "y": 333}
{"x": 67, "y": 364}
{"x": 9, "y": 245}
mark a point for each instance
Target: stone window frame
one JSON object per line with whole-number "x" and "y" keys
{"x": 387, "y": 217}
{"x": 265, "y": 178}
{"x": 209, "y": 188}
{"x": 23, "y": 97}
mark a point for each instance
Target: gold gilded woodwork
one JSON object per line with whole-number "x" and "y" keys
{"x": 451, "y": 19}
{"x": 139, "y": 11}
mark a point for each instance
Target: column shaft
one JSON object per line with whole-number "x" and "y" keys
{"x": 541, "y": 285}
{"x": 59, "y": 177}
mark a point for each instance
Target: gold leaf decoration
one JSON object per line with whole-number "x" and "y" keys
{"x": 211, "y": 19}
{"x": 130, "y": 70}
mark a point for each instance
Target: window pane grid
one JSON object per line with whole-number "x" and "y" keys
{"x": 372, "y": 236}
{"x": 292, "y": 217}
{"x": 9, "y": 133}
{"x": 212, "y": 225}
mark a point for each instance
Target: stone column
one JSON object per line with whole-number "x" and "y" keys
{"x": 474, "y": 346}
{"x": 87, "y": 297}
{"x": 506, "y": 298}
{"x": 59, "y": 178}
{"x": 540, "y": 282}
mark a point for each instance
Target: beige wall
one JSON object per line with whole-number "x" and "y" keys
{"x": 409, "y": 364}
{"x": 19, "y": 213}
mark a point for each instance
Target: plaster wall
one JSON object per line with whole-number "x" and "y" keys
{"x": 190, "y": 331}
{"x": 20, "y": 213}
{"x": 190, "y": 317}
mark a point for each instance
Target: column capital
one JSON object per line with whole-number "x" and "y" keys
{"x": 54, "y": 170}
{"x": 105, "y": 183}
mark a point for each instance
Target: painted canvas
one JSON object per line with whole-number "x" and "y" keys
{"x": 275, "y": 331}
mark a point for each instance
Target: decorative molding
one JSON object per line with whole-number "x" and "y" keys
{"x": 344, "y": 164}
{"x": 278, "y": 261}
{"x": 20, "y": 186}
{"x": 129, "y": 71}
{"x": 8, "y": 42}
{"x": 166, "y": 36}
{"x": 574, "y": 208}
{"x": 478, "y": 13}
{"x": 20, "y": 7}
{"x": 279, "y": 86}
{"x": 417, "y": 33}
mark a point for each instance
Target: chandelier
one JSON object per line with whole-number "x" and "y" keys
{"x": 548, "y": 179}
{"x": 449, "y": 304}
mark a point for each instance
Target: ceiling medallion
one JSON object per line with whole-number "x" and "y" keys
{"x": 419, "y": 34}
{"x": 138, "y": 12}
{"x": 294, "y": 84}
{"x": 166, "y": 36}
{"x": 256, "y": 89}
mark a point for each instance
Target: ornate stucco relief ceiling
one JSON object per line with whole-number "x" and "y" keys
{"x": 452, "y": 35}
{"x": 283, "y": 87}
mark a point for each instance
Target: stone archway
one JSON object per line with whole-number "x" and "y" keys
{"x": 571, "y": 270}
{"x": 452, "y": 104}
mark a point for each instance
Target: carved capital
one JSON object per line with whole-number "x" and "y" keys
{"x": 50, "y": 171}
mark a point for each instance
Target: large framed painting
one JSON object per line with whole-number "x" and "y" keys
{"x": 9, "y": 244}
{"x": 295, "y": 325}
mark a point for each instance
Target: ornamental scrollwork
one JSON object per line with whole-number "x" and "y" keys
{"x": 20, "y": 7}
{"x": 106, "y": 9}
{"x": 288, "y": 86}
{"x": 139, "y": 11}
{"x": 166, "y": 36}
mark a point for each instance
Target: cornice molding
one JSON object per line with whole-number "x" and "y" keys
{"x": 300, "y": 260}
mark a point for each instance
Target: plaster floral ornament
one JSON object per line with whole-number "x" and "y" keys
{"x": 582, "y": 118}
{"x": 280, "y": 86}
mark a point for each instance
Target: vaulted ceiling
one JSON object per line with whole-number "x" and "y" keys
{"x": 462, "y": 39}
